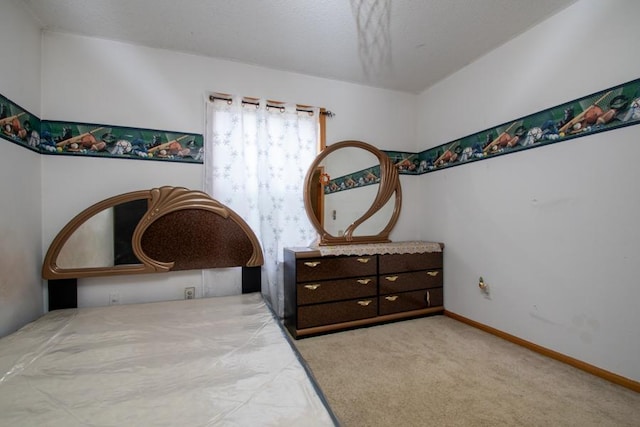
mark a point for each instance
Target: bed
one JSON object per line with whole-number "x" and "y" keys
{"x": 210, "y": 361}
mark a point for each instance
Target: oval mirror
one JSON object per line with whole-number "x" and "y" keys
{"x": 348, "y": 194}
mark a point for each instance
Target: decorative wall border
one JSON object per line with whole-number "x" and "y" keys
{"x": 358, "y": 179}
{"x": 96, "y": 140}
{"x": 18, "y": 125}
{"x": 606, "y": 110}
{"x": 122, "y": 142}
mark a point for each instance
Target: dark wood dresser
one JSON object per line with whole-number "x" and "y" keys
{"x": 335, "y": 292}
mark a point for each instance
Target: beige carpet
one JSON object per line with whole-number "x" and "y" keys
{"x": 436, "y": 371}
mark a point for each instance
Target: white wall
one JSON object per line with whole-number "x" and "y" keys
{"x": 552, "y": 230}
{"x": 20, "y": 225}
{"x": 100, "y": 81}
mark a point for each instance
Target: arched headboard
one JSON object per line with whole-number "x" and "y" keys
{"x": 150, "y": 231}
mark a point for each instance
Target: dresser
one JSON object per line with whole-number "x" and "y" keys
{"x": 336, "y": 290}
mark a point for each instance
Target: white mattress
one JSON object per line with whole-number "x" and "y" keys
{"x": 215, "y": 361}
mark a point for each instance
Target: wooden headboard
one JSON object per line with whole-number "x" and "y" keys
{"x": 164, "y": 229}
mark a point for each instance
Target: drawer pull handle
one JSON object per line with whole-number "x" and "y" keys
{"x": 364, "y": 303}
{"x": 363, "y": 260}
{"x": 364, "y": 281}
{"x": 391, "y": 298}
{"x": 392, "y": 278}
{"x": 428, "y": 299}
{"x": 312, "y": 287}
{"x": 432, "y": 273}
{"x": 312, "y": 264}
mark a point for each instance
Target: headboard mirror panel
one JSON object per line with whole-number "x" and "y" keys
{"x": 151, "y": 231}
{"x": 104, "y": 239}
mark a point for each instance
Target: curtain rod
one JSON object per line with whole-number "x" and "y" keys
{"x": 270, "y": 104}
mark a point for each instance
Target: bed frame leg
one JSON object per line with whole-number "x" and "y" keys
{"x": 63, "y": 293}
{"x": 251, "y": 279}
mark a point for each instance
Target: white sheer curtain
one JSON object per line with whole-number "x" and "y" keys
{"x": 256, "y": 159}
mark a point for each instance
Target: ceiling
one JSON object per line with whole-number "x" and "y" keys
{"x": 405, "y": 45}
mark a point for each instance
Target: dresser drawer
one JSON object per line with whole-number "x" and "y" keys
{"x": 336, "y": 312}
{"x": 401, "y": 282}
{"x": 335, "y": 290}
{"x": 407, "y": 301}
{"x": 396, "y": 263}
{"x": 335, "y": 267}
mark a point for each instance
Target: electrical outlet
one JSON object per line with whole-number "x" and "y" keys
{"x": 190, "y": 293}
{"x": 114, "y": 299}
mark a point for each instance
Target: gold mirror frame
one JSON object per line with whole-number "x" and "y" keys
{"x": 388, "y": 185}
{"x": 161, "y": 201}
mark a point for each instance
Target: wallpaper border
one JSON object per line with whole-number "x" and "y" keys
{"x": 608, "y": 109}
{"x": 96, "y": 140}
{"x": 18, "y": 125}
{"x": 100, "y": 140}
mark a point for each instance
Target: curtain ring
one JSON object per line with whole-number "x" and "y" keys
{"x": 229, "y": 101}
{"x": 324, "y": 179}
{"x": 282, "y": 109}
